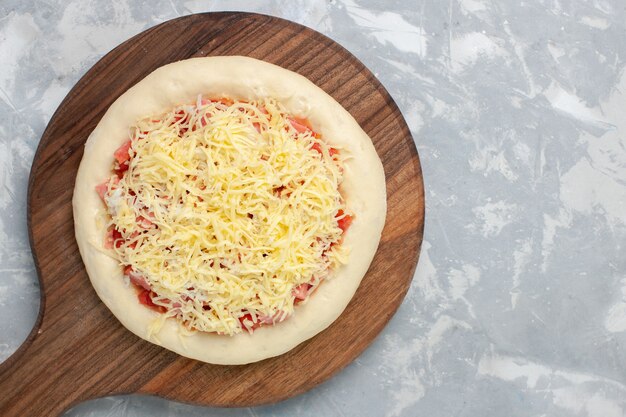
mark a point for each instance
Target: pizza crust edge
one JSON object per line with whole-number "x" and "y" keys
{"x": 242, "y": 78}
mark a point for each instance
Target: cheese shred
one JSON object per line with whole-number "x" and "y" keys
{"x": 226, "y": 213}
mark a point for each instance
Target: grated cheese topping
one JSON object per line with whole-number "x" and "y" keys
{"x": 226, "y": 213}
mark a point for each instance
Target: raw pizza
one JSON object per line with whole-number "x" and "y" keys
{"x": 227, "y": 209}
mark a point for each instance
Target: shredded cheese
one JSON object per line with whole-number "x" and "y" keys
{"x": 225, "y": 210}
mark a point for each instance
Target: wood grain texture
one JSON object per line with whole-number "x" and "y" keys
{"x": 78, "y": 350}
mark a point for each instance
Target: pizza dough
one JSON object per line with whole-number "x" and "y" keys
{"x": 241, "y": 78}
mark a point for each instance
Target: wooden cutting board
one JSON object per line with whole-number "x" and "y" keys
{"x": 78, "y": 350}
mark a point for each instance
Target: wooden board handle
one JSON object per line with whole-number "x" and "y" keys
{"x": 25, "y": 376}
{"x": 76, "y": 353}
{"x": 53, "y": 369}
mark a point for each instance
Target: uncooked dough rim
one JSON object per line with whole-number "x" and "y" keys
{"x": 242, "y": 78}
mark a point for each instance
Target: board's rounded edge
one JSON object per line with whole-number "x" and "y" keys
{"x": 329, "y": 43}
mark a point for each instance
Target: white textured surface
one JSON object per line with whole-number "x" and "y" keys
{"x": 518, "y": 306}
